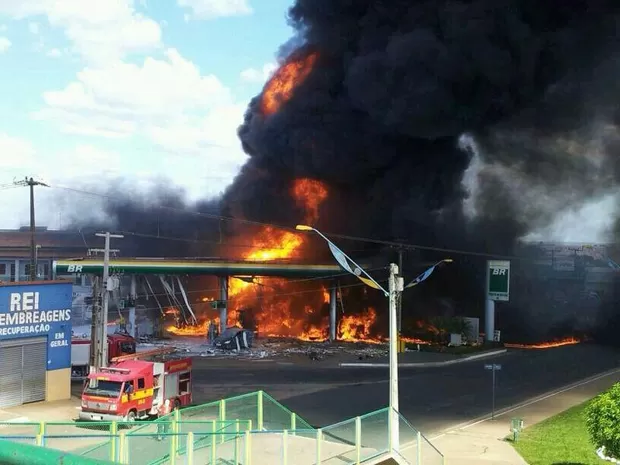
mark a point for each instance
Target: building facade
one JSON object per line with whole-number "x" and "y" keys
{"x": 35, "y": 342}
{"x": 50, "y": 245}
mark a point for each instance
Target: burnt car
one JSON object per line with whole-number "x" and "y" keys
{"x": 234, "y": 339}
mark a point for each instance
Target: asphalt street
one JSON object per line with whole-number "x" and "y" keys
{"x": 432, "y": 399}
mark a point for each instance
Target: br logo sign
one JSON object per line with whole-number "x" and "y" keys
{"x": 498, "y": 280}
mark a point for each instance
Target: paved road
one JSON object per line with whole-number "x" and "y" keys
{"x": 431, "y": 398}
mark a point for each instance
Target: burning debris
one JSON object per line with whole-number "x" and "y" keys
{"x": 546, "y": 345}
{"x": 273, "y": 348}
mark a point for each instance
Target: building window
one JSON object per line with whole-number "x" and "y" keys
{"x": 43, "y": 270}
{"x": 3, "y": 269}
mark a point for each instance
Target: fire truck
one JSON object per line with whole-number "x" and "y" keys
{"x": 134, "y": 386}
{"x": 118, "y": 344}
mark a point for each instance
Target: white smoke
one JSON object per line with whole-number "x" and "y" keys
{"x": 467, "y": 142}
{"x": 591, "y": 222}
{"x": 578, "y": 206}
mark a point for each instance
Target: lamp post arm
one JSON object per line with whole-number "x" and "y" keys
{"x": 351, "y": 260}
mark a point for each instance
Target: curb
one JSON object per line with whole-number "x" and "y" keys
{"x": 526, "y": 403}
{"x": 426, "y": 364}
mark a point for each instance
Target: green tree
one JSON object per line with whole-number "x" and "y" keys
{"x": 603, "y": 421}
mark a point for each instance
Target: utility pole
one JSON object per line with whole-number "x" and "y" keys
{"x": 30, "y": 182}
{"x": 105, "y": 298}
{"x": 95, "y": 346}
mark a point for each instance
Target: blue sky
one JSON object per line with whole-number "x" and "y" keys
{"x": 140, "y": 90}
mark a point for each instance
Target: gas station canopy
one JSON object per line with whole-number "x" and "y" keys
{"x": 218, "y": 267}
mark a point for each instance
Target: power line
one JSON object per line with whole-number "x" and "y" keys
{"x": 195, "y": 241}
{"x": 214, "y": 216}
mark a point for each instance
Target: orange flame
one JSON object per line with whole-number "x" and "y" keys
{"x": 546, "y": 345}
{"x": 325, "y": 296}
{"x": 357, "y": 327}
{"x": 309, "y": 194}
{"x": 268, "y": 300}
{"x": 201, "y": 329}
{"x": 273, "y": 244}
{"x": 279, "y": 88}
{"x": 276, "y": 305}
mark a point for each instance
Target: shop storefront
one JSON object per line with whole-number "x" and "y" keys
{"x": 35, "y": 342}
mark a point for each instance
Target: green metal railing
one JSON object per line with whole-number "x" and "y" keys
{"x": 12, "y": 453}
{"x": 259, "y": 409}
{"x": 252, "y": 429}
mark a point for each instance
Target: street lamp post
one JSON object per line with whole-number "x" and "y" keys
{"x": 395, "y": 286}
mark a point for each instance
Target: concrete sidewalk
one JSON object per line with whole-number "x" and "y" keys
{"x": 56, "y": 411}
{"x": 415, "y": 359}
{"x": 482, "y": 441}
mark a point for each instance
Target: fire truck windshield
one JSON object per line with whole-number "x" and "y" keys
{"x": 103, "y": 388}
{"x": 128, "y": 347}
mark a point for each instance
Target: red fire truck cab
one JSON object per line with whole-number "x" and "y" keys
{"x": 135, "y": 386}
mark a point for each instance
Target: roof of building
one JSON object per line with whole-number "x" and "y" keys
{"x": 33, "y": 283}
{"x": 16, "y": 243}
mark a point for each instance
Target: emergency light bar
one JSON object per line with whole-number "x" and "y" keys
{"x": 145, "y": 354}
{"x": 114, "y": 370}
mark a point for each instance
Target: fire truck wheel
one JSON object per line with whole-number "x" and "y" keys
{"x": 131, "y": 416}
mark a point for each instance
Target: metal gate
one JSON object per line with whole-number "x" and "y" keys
{"x": 23, "y": 364}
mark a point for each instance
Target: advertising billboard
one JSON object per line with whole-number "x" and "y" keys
{"x": 35, "y": 310}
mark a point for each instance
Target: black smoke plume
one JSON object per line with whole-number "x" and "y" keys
{"x": 407, "y": 96}
{"x": 156, "y": 224}
{"x": 395, "y": 85}
{"x": 444, "y": 123}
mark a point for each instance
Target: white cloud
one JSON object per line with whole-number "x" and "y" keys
{"x": 254, "y": 75}
{"x": 103, "y": 31}
{"x": 87, "y": 170}
{"x": 211, "y": 9}
{"x": 217, "y": 129}
{"x": 192, "y": 117}
{"x": 85, "y": 167}
{"x": 23, "y": 160}
{"x": 161, "y": 87}
{"x": 5, "y": 44}
{"x": 54, "y": 53}
{"x": 88, "y": 160}
{"x": 33, "y": 28}
{"x": 17, "y": 153}
{"x": 121, "y": 99}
